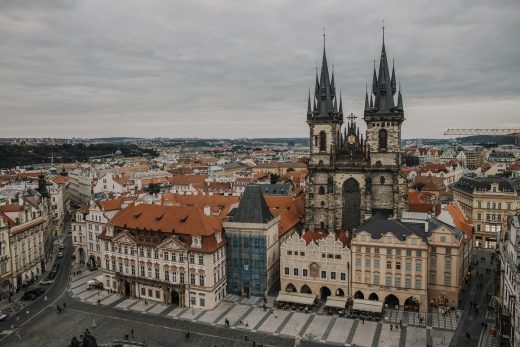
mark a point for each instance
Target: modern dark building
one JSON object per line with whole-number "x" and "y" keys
{"x": 253, "y": 249}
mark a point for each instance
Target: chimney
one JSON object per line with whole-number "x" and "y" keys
{"x": 426, "y": 225}
{"x": 207, "y": 210}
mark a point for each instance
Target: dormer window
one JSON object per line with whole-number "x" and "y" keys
{"x": 218, "y": 237}
{"x": 196, "y": 242}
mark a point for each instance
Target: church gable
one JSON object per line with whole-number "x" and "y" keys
{"x": 172, "y": 244}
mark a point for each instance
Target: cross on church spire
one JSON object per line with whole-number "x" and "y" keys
{"x": 351, "y": 117}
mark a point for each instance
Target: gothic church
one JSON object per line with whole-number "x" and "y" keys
{"x": 352, "y": 177}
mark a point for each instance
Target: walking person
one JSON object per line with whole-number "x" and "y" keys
{"x": 132, "y": 332}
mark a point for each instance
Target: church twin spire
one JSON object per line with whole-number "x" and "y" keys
{"x": 384, "y": 87}
{"x": 325, "y": 100}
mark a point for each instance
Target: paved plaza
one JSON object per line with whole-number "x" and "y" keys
{"x": 247, "y": 315}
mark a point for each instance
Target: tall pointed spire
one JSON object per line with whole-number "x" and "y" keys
{"x": 340, "y": 104}
{"x": 371, "y": 103}
{"x": 399, "y": 99}
{"x": 366, "y": 96}
{"x": 374, "y": 80}
{"x": 383, "y": 91}
{"x": 392, "y": 80}
{"x": 309, "y": 111}
{"x": 317, "y": 86}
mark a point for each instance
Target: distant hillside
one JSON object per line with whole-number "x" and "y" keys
{"x": 17, "y": 155}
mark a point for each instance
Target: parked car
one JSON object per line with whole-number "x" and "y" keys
{"x": 3, "y": 316}
{"x": 60, "y": 255}
{"x": 62, "y": 246}
{"x": 47, "y": 281}
{"x": 94, "y": 284}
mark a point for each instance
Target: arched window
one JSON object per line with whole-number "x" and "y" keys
{"x": 322, "y": 203}
{"x": 383, "y": 139}
{"x": 323, "y": 141}
{"x": 322, "y": 190}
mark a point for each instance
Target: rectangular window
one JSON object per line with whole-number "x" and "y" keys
{"x": 389, "y": 251}
{"x": 434, "y": 249}
{"x": 398, "y": 282}
{"x": 376, "y": 250}
{"x": 408, "y": 282}
{"x": 333, "y": 275}
{"x": 433, "y": 278}
{"x": 389, "y": 265}
{"x": 157, "y": 294}
{"x": 192, "y": 279}
{"x": 418, "y": 253}
{"x": 286, "y": 270}
{"x": 201, "y": 280}
{"x": 174, "y": 277}
{"x": 408, "y": 266}
{"x": 418, "y": 281}
{"x": 367, "y": 262}
{"x": 201, "y": 260}
{"x": 304, "y": 272}
{"x": 376, "y": 279}
{"x": 433, "y": 263}
{"x": 447, "y": 264}
{"x": 343, "y": 276}
{"x": 358, "y": 262}
{"x": 166, "y": 275}
{"x": 289, "y": 252}
{"x": 192, "y": 259}
{"x": 166, "y": 256}
{"x": 202, "y": 302}
{"x": 376, "y": 264}
{"x": 447, "y": 280}
{"x": 418, "y": 266}
{"x": 398, "y": 265}
{"x": 397, "y": 252}
{"x": 156, "y": 274}
{"x": 142, "y": 271}
{"x": 408, "y": 253}
{"x": 295, "y": 271}
{"x": 143, "y": 291}
{"x": 388, "y": 281}
{"x": 181, "y": 258}
{"x": 181, "y": 278}
{"x": 324, "y": 274}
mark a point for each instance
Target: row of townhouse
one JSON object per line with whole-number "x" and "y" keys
{"x": 410, "y": 264}
{"x": 25, "y": 228}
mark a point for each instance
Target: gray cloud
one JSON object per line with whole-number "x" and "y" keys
{"x": 235, "y": 69}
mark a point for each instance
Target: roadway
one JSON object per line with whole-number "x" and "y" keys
{"x": 53, "y": 292}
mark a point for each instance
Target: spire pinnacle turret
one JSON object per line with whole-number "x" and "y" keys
{"x": 340, "y": 104}
{"x": 309, "y": 111}
{"x": 399, "y": 99}
{"x": 366, "y": 96}
{"x": 392, "y": 80}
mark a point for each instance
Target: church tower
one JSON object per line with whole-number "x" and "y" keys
{"x": 351, "y": 178}
{"x": 323, "y": 116}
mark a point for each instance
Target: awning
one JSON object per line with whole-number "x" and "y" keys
{"x": 368, "y": 306}
{"x": 336, "y": 302}
{"x": 296, "y": 298}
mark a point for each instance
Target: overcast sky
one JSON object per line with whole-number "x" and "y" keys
{"x": 97, "y": 68}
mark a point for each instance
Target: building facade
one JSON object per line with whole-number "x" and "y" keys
{"x": 487, "y": 202}
{"x": 509, "y": 309}
{"x": 172, "y": 254}
{"x": 350, "y": 177}
{"x": 316, "y": 263}
{"x": 409, "y": 264}
{"x": 253, "y": 250}
{"x": 80, "y": 183}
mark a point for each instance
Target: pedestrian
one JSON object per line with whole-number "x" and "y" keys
{"x": 27, "y": 311}
{"x": 98, "y": 302}
{"x": 64, "y": 305}
{"x": 45, "y": 298}
{"x": 264, "y": 307}
{"x": 17, "y": 318}
{"x": 400, "y": 322}
{"x": 126, "y": 337}
{"x": 254, "y": 344}
{"x": 246, "y": 338}
{"x": 363, "y": 320}
{"x": 188, "y": 336}
{"x": 396, "y": 327}
{"x": 391, "y": 327}
{"x": 94, "y": 324}
{"x": 132, "y": 332}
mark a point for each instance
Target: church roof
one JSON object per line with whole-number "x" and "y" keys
{"x": 252, "y": 207}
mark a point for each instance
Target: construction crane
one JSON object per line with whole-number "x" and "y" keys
{"x": 494, "y": 132}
